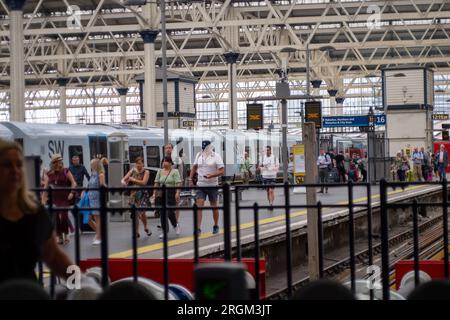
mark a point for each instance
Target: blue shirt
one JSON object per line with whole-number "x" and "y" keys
{"x": 79, "y": 172}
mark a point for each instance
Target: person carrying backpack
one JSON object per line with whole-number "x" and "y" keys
{"x": 333, "y": 175}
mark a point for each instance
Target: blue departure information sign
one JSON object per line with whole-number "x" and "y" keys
{"x": 352, "y": 121}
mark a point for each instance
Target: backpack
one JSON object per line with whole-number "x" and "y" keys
{"x": 333, "y": 175}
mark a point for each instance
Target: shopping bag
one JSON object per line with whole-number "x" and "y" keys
{"x": 83, "y": 204}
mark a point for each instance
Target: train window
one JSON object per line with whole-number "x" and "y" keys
{"x": 98, "y": 147}
{"x": 114, "y": 150}
{"x": 135, "y": 152}
{"x": 153, "y": 158}
{"x": 76, "y": 151}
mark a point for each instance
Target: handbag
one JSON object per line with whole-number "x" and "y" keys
{"x": 195, "y": 176}
{"x": 158, "y": 197}
{"x": 83, "y": 204}
{"x": 195, "y": 179}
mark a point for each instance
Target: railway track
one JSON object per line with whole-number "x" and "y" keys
{"x": 401, "y": 248}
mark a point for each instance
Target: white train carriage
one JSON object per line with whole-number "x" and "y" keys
{"x": 86, "y": 141}
{"x": 122, "y": 144}
{"x": 234, "y": 146}
{"x": 259, "y": 140}
{"x": 146, "y": 143}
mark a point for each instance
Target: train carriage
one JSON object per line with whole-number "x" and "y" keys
{"x": 86, "y": 141}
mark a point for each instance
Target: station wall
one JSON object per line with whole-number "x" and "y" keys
{"x": 406, "y": 129}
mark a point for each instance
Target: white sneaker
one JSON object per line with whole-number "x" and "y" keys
{"x": 161, "y": 236}
{"x": 177, "y": 229}
{"x": 96, "y": 242}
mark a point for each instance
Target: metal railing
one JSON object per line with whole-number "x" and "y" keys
{"x": 361, "y": 207}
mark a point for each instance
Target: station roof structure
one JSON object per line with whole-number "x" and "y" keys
{"x": 365, "y": 38}
{"x": 98, "y": 42}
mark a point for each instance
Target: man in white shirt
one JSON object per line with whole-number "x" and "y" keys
{"x": 209, "y": 167}
{"x": 323, "y": 162}
{"x": 269, "y": 168}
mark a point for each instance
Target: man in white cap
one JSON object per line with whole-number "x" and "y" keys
{"x": 209, "y": 167}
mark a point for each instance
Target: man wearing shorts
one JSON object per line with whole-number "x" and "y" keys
{"x": 209, "y": 167}
{"x": 269, "y": 168}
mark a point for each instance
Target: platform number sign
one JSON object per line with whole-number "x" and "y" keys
{"x": 255, "y": 118}
{"x": 313, "y": 112}
{"x": 380, "y": 119}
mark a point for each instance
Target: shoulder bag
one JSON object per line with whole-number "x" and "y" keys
{"x": 158, "y": 197}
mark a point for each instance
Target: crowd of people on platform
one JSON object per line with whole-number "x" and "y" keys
{"x": 420, "y": 165}
{"x": 340, "y": 167}
{"x": 206, "y": 169}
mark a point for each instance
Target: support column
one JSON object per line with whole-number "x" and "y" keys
{"x": 141, "y": 102}
{"x": 231, "y": 58}
{"x": 62, "y": 83}
{"x": 123, "y": 103}
{"x": 17, "y": 73}
{"x": 309, "y": 138}
{"x": 149, "y": 37}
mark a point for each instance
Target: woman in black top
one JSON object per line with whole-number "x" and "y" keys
{"x": 26, "y": 231}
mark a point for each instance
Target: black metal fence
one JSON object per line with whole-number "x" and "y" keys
{"x": 231, "y": 253}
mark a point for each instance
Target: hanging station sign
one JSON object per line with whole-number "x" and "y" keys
{"x": 255, "y": 118}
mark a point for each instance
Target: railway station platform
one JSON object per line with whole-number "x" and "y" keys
{"x": 271, "y": 223}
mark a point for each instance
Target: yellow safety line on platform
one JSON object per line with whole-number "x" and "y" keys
{"x": 175, "y": 242}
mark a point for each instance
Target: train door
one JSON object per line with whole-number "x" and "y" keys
{"x": 119, "y": 165}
